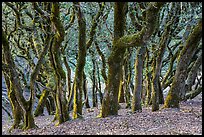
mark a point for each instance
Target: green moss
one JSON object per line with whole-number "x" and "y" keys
{"x": 41, "y": 103}
{"x": 121, "y": 98}
{"x": 28, "y": 120}
{"x": 77, "y": 106}
{"x": 81, "y": 60}
{"x": 113, "y": 82}
{"x": 172, "y": 100}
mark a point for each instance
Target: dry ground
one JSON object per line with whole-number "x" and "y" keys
{"x": 186, "y": 120}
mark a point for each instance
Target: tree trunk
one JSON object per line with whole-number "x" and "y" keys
{"x": 110, "y": 100}
{"x": 148, "y": 79}
{"x": 156, "y": 90}
{"x": 94, "y": 97}
{"x": 120, "y": 43}
{"x": 68, "y": 79}
{"x": 161, "y": 95}
{"x": 193, "y": 94}
{"x": 28, "y": 120}
{"x": 178, "y": 84}
{"x": 127, "y": 78}
{"x": 26, "y": 106}
{"x": 50, "y": 105}
{"x": 41, "y": 104}
{"x": 192, "y": 74}
{"x": 60, "y": 76}
{"x": 16, "y": 109}
{"x": 99, "y": 84}
{"x": 86, "y": 97}
{"x": 137, "y": 94}
{"x": 121, "y": 97}
{"x": 78, "y": 83}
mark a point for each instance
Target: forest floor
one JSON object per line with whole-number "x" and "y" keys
{"x": 184, "y": 121}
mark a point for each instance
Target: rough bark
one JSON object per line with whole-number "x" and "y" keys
{"x": 110, "y": 100}
{"x": 85, "y": 91}
{"x": 193, "y": 74}
{"x": 26, "y": 106}
{"x": 94, "y": 90}
{"x": 121, "y": 96}
{"x": 193, "y": 94}
{"x": 41, "y": 104}
{"x": 99, "y": 83}
{"x": 137, "y": 93}
{"x": 77, "y": 106}
{"x": 60, "y": 77}
{"x": 120, "y": 43}
{"x": 127, "y": 78}
{"x": 157, "y": 69}
{"x": 148, "y": 80}
{"x": 16, "y": 109}
{"x": 178, "y": 84}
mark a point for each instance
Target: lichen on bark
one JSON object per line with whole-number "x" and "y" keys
{"x": 178, "y": 84}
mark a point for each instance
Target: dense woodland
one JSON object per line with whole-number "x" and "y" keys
{"x": 75, "y": 55}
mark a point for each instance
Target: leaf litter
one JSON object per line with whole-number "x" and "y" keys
{"x": 184, "y": 121}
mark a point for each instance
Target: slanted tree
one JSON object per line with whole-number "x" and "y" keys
{"x": 193, "y": 74}
{"x": 178, "y": 84}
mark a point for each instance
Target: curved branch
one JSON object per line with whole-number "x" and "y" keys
{"x": 142, "y": 36}
{"x": 94, "y": 24}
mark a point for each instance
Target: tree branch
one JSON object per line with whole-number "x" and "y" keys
{"x": 142, "y": 36}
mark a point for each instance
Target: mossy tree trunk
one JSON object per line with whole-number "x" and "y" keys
{"x": 25, "y": 105}
{"x": 62, "y": 114}
{"x": 110, "y": 100}
{"x": 157, "y": 93}
{"x": 147, "y": 80}
{"x": 94, "y": 82}
{"x": 156, "y": 88}
{"x": 137, "y": 93}
{"x": 121, "y": 95}
{"x": 120, "y": 43}
{"x": 178, "y": 84}
{"x": 193, "y": 74}
{"x": 86, "y": 99}
{"x": 82, "y": 48}
{"x": 127, "y": 77}
{"x": 77, "y": 112}
{"x": 41, "y": 104}
{"x": 99, "y": 83}
{"x": 110, "y": 103}
{"x": 16, "y": 109}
